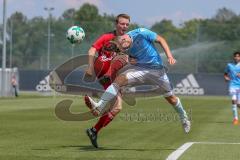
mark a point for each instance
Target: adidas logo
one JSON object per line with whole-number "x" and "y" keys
{"x": 43, "y": 85}
{"x": 51, "y": 80}
{"x": 189, "y": 86}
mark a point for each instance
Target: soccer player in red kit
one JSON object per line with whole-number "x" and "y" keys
{"x": 105, "y": 67}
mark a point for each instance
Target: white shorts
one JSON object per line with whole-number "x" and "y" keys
{"x": 235, "y": 94}
{"x": 146, "y": 76}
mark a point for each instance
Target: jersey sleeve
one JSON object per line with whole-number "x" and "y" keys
{"x": 99, "y": 43}
{"x": 149, "y": 35}
{"x": 226, "y": 70}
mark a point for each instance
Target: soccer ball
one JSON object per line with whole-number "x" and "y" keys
{"x": 75, "y": 34}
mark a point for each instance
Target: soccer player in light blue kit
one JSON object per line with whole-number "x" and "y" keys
{"x": 148, "y": 68}
{"x": 232, "y": 75}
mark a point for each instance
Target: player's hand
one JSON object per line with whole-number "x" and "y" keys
{"x": 89, "y": 71}
{"x": 227, "y": 79}
{"x": 171, "y": 60}
{"x": 238, "y": 74}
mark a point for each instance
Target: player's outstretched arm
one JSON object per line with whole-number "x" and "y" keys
{"x": 163, "y": 43}
{"x": 226, "y": 77}
{"x": 91, "y": 54}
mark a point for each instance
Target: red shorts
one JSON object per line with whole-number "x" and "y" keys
{"x": 101, "y": 66}
{"x": 106, "y": 68}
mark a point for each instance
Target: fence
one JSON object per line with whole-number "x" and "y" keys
{"x": 28, "y": 51}
{"x": 199, "y": 56}
{"x": 6, "y": 78}
{"x": 183, "y": 84}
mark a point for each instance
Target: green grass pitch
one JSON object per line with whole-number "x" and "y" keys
{"x": 29, "y": 130}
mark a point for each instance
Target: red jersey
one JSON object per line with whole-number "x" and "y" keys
{"x": 103, "y": 62}
{"x": 103, "y": 65}
{"x": 104, "y": 41}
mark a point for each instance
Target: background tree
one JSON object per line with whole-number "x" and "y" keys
{"x": 224, "y": 14}
{"x": 206, "y": 43}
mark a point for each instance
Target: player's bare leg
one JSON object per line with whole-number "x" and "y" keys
{"x": 108, "y": 116}
{"x": 235, "y": 112}
{"x": 177, "y": 105}
{"x": 104, "y": 121}
{"x": 111, "y": 92}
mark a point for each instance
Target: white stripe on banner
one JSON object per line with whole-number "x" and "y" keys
{"x": 186, "y": 83}
{"x": 179, "y": 85}
{"x": 193, "y": 81}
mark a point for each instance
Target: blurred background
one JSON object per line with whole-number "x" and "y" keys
{"x": 202, "y": 42}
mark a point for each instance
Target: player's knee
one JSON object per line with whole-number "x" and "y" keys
{"x": 117, "y": 107}
{"x": 115, "y": 111}
{"x": 234, "y": 102}
{"x": 121, "y": 80}
{"x": 173, "y": 100}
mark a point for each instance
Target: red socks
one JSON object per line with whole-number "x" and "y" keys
{"x": 104, "y": 121}
{"x": 115, "y": 66}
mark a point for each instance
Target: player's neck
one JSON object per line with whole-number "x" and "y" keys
{"x": 117, "y": 33}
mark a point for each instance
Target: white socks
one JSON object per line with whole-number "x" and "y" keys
{"x": 235, "y": 112}
{"x": 179, "y": 108}
{"x": 108, "y": 95}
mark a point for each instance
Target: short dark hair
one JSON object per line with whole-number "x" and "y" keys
{"x": 123, "y": 15}
{"x": 236, "y": 53}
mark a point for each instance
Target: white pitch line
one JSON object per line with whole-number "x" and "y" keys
{"x": 177, "y": 153}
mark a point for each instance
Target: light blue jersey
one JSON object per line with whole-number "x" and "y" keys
{"x": 143, "y": 48}
{"x": 232, "y": 70}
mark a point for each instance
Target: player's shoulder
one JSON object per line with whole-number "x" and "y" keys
{"x": 111, "y": 33}
{"x": 143, "y": 29}
{"x": 230, "y": 64}
{"x": 103, "y": 39}
{"x": 233, "y": 66}
{"x": 138, "y": 31}
{"x": 108, "y": 35}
